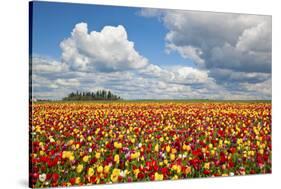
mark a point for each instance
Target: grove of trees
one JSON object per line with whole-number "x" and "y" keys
{"x": 98, "y": 95}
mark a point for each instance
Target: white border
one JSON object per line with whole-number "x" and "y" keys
{"x": 14, "y": 91}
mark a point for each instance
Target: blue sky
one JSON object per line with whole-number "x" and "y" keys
{"x": 54, "y": 21}
{"x": 142, "y": 53}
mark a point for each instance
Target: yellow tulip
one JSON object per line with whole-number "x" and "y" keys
{"x": 106, "y": 169}
{"x": 207, "y": 165}
{"x": 172, "y": 157}
{"x": 68, "y": 155}
{"x": 136, "y": 172}
{"x": 174, "y": 150}
{"x": 41, "y": 153}
{"x": 86, "y": 159}
{"x": 176, "y": 168}
{"x": 100, "y": 169}
{"x": 97, "y": 155}
{"x": 116, "y": 158}
{"x": 135, "y": 155}
{"x": 77, "y": 180}
{"x": 90, "y": 172}
{"x": 158, "y": 176}
{"x": 79, "y": 168}
{"x": 156, "y": 148}
{"x": 115, "y": 174}
{"x": 168, "y": 148}
{"x": 117, "y": 145}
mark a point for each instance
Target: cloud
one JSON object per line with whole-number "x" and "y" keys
{"x": 47, "y": 65}
{"x": 176, "y": 74}
{"x": 51, "y": 78}
{"x": 187, "y": 52}
{"x": 264, "y": 88}
{"x": 106, "y": 51}
{"x": 149, "y": 12}
{"x": 218, "y": 40}
{"x": 67, "y": 82}
{"x": 257, "y": 38}
{"x": 228, "y": 57}
{"x": 229, "y": 76}
{"x": 188, "y": 76}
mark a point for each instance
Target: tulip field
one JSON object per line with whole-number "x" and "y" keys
{"x": 84, "y": 143}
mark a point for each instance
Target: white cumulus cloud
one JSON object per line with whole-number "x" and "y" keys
{"x": 107, "y": 50}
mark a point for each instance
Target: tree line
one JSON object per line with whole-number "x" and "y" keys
{"x": 98, "y": 95}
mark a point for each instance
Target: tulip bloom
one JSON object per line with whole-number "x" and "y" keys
{"x": 158, "y": 176}
{"x": 79, "y": 168}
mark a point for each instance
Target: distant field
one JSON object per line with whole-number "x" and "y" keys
{"x": 159, "y": 101}
{"x": 137, "y": 140}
